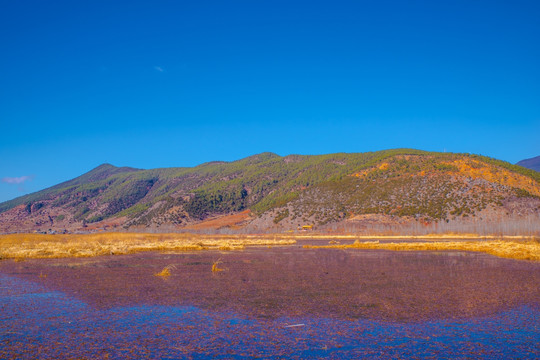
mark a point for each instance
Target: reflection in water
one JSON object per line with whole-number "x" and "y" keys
{"x": 351, "y": 303}
{"x": 278, "y": 282}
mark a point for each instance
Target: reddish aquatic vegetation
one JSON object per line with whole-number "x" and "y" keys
{"x": 270, "y": 283}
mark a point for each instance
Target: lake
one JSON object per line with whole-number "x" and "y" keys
{"x": 279, "y": 302}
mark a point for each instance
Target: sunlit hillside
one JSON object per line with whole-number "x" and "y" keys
{"x": 400, "y": 188}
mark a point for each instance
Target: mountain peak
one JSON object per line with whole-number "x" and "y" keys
{"x": 105, "y": 165}
{"x": 102, "y": 167}
{"x": 101, "y": 172}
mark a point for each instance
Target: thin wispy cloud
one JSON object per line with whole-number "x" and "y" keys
{"x": 16, "y": 180}
{"x": 159, "y": 68}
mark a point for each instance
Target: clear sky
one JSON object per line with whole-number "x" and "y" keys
{"x": 177, "y": 83}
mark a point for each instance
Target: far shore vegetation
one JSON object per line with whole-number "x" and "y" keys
{"x": 21, "y": 246}
{"x": 514, "y": 249}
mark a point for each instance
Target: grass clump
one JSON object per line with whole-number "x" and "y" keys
{"x": 166, "y": 272}
{"x": 215, "y": 266}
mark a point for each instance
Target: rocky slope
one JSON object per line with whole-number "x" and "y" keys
{"x": 394, "y": 190}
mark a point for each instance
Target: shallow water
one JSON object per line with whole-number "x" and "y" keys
{"x": 342, "y": 304}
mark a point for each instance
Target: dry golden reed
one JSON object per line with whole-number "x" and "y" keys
{"x": 20, "y": 246}
{"x": 522, "y": 250}
{"x": 215, "y": 266}
{"x": 166, "y": 272}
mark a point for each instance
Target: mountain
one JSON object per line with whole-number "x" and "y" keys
{"x": 532, "y": 163}
{"x": 385, "y": 191}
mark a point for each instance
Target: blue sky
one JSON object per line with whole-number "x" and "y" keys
{"x": 176, "y": 83}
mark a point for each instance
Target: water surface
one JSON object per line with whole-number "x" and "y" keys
{"x": 340, "y": 303}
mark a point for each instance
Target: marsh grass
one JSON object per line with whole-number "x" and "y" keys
{"x": 428, "y": 237}
{"x": 215, "y": 266}
{"x": 22, "y": 246}
{"x": 166, "y": 272}
{"x": 522, "y": 250}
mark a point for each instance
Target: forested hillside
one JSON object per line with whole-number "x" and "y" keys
{"x": 267, "y": 192}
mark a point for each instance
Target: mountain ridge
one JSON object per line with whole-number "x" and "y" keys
{"x": 268, "y": 192}
{"x": 531, "y": 163}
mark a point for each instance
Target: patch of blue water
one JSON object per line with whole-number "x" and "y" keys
{"x": 38, "y": 323}
{"x": 511, "y": 334}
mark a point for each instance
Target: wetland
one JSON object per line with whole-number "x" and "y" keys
{"x": 271, "y": 302}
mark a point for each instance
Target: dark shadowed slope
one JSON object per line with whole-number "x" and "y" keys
{"x": 101, "y": 172}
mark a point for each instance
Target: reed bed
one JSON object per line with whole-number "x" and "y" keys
{"x": 20, "y": 246}
{"x": 522, "y": 250}
{"x": 442, "y": 236}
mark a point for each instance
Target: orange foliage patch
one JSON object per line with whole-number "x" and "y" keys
{"x": 362, "y": 173}
{"x": 473, "y": 169}
{"x": 476, "y": 169}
